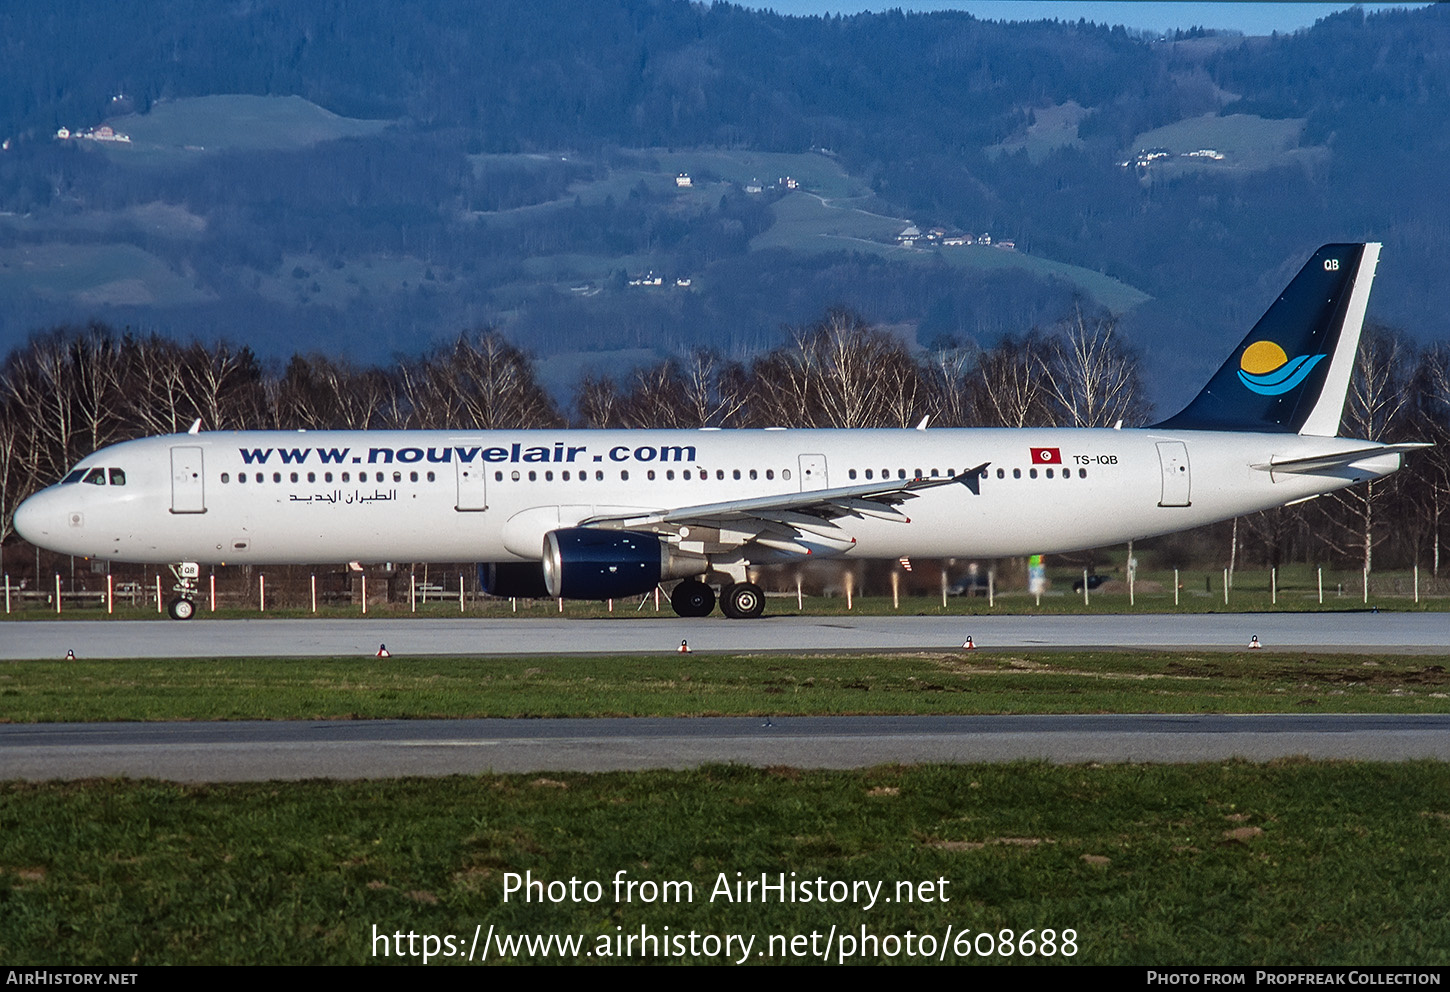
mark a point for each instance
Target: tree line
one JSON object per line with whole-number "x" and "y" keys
{"x": 69, "y": 391}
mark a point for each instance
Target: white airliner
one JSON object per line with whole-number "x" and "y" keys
{"x": 600, "y": 514}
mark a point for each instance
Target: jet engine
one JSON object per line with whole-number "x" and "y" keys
{"x": 585, "y": 563}
{"x": 514, "y": 579}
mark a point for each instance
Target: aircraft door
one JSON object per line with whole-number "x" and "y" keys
{"x": 471, "y": 489}
{"x": 813, "y": 473}
{"x": 1173, "y": 460}
{"x": 188, "y": 481}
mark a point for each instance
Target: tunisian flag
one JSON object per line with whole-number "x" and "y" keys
{"x": 1046, "y": 456}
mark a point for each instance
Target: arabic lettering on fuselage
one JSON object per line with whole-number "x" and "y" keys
{"x": 556, "y": 453}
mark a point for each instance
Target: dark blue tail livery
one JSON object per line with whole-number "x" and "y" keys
{"x": 1291, "y": 373}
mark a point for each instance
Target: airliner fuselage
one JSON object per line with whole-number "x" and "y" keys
{"x": 298, "y": 497}
{"x": 601, "y": 514}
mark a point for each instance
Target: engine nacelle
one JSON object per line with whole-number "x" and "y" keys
{"x": 514, "y": 579}
{"x": 585, "y": 563}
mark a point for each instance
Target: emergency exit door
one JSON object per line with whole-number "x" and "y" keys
{"x": 1173, "y": 460}
{"x": 471, "y": 491}
{"x": 813, "y": 473}
{"x": 188, "y": 481}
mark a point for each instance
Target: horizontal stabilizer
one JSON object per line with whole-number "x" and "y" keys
{"x": 1339, "y": 459}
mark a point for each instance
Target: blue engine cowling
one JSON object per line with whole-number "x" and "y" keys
{"x": 584, "y": 563}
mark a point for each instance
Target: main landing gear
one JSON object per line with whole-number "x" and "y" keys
{"x": 738, "y": 600}
{"x": 183, "y": 607}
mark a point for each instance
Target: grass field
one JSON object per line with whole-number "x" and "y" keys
{"x": 713, "y": 685}
{"x": 94, "y": 274}
{"x": 1282, "y": 864}
{"x": 804, "y": 222}
{"x": 176, "y": 128}
{"x": 1249, "y": 143}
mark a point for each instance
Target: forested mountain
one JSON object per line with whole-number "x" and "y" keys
{"x": 365, "y": 178}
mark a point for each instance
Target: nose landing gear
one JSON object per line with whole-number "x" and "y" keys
{"x": 188, "y": 574}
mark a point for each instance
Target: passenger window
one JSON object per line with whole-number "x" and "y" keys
{"x": 118, "y": 477}
{"x": 1082, "y": 473}
{"x": 598, "y": 476}
{"x": 398, "y": 476}
{"x": 687, "y": 475}
{"x": 785, "y": 473}
{"x": 868, "y": 473}
{"x": 294, "y": 476}
{"x": 326, "y": 476}
{"x": 752, "y": 474}
{"x": 851, "y": 474}
{"x": 311, "y": 476}
{"x": 670, "y": 474}
{"x": 1032, "y": 473}
{"x": 650, "y": 475}
{"x": 548, "y": 476}
{"x": 624, "y": 475}
{"x": 533, "y": 476}
{"x": 96, "y": 477}
{"x": 241, "y": 476}
{"x": 1016, "y": 473}
{"x": 430, "y": 476}
{"x": 736, "y": 473}
{"x": 719, "y": 473}
{"x": 514, "y": 475}
{"x": 1001, "y": 473}
{"x": 412, "y": 476}
{"x": 901, "y": 473}
{"x": 226, "y": 478}
{"x": 1049, "y": 473}
{"x": 498, "y": 477}
{"x": 276, "y": 476}
{"x": 770, "y": 473}
{"x": 565, "y": 475}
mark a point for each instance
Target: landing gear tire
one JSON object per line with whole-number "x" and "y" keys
{"x": 181, "y": 609}
{"x": 742, "y": 601}
{"x": 692, "y": 599}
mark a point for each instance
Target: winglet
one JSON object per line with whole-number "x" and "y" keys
{"x": 972, "y": 478}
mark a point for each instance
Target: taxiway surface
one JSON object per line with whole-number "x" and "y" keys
{"x": 260, "y": 751}
{"x": 1408, "y": 633}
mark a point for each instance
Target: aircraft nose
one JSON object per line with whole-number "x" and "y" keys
{"x": 33, "y": 521}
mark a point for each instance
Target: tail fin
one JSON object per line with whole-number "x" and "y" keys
{"x": 1291, "y": 373}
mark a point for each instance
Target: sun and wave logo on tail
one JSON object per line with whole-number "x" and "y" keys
{"x": 1265, "y": 369}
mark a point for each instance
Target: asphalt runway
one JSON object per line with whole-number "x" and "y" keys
{"x": 261, "y": 751}
{"x": 1403, "y": 633}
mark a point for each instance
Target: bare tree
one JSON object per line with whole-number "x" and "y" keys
{"x": 480, "y": 381}
{"x": 1011, "y": 388}
{"x": 1431, "y": 418}
{"x": 319, "y": 393}
{"x": 598, "y": 402}
{"x": 840, "y": 372}
{"x": 1374, "y": 410}
{"x": 1092, "y": 379}
{"x": 946, "y": 374}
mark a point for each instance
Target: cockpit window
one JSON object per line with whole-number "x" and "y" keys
{"x": 96, "y": 477}
{"x": 75, "y": 476}
{"x": 118, "y": 477}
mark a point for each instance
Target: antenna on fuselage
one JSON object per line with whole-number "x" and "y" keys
{"x": 195, "y": 427}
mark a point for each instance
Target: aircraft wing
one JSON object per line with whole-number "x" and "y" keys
{"x": 790, "y": 524}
